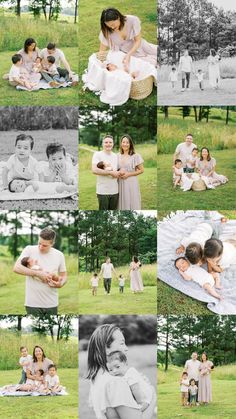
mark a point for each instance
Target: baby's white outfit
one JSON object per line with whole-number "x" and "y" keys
{"x": 173, "y": 76}
{"x": 132, "y": 376}
{"x": 52, "y": 381}
{"x": 191, "y": 162}
{"x": 200, "y": 235}
{"x": 228, "y": 256}
{"x": 200, "y": 275}
{"x": 177, "y": 173}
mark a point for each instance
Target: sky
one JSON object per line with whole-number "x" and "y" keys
{"x": 226, "y": 4}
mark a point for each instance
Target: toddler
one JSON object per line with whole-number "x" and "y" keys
{"x": 33, "y": 264}
{"x": 52, "y": 382}
{"x": 50, "y": 72}
{"x": 200, "y": 76}
{"x": 177, "y": 172}
{"x": 191, "y": 161}
{"x": 117, "y": 365}
{"x": 59, "y": 167}
{"x": 199, "y": 275}
{"x": 37, "y": 66}
{"x": 104, "y": 166}
{"x": 19, "y": 185}
{"x": 33, "y": 385}
{"x": 173, "y": 77}
{"x": 21, "y": 164}
{"x": 16, "y": 76}
{"x": 121, "y": 284}
{"x": 184, "y": 385}
{"x": 94, "y": 283}
{"x": 192, "y": 392}
{"x": 220, "y": 255}
{"x": 24, "y": 361}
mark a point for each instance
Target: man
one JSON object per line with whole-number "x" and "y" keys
{"x": 106, "y": 270}
{"x": 192, "y": 368}
{"x": 184, "y": 150}
{"x": 60, "y": 60}
{"x": 107, "y": 184}
{"x": 41, "y": 295}
{"x": 185, "y": 67}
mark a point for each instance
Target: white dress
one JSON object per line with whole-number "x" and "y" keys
{"x": 214, "y": 70}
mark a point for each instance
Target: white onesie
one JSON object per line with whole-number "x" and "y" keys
{"x": 200, "y": 235}
{"x": 132, "y": 376}
{"x": 200, "y": 275}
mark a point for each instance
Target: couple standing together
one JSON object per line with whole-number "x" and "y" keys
{"x": 117, "y": 183}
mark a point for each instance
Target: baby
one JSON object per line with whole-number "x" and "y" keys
{"x": 191, "y": 161}
{"x": 219, "y": 255}
{"x": 21, "y": 164}
{"x": 199, "y": 275}
{"x": 104, "y": 166}
{"x": 59, "y": 167}
{"x": 177, "y": 172}
{"x": 19, "y": 185}
{"x": 33, "y": 385}
{"x": 16, "y": 76}
{"x": 50, "y": 72}
{"x": 173, "y": 77}
{"x": 52, "y": 382}
{"x": 33, "y": 264}
{"x": 200, "y": 76}
{"x": 37, "y": 66}
{"x": 117, "y": 365}
{"x": 94, "y": 283}
{"x": 114, "y": 67}
{"x": 24, "y": 361}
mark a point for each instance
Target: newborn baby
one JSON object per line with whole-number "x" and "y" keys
{"x": 114, "y": 67}
{"x": 33, "y": 264}
{"x": 19, "y": 185}
{"x": 104, "y": 166}
{"x": 33, "y": 385}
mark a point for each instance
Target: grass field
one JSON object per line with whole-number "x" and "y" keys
{"x": 222, "y": 406}
{"x": 147, "y": 181}
{"x": 89, "y": 28}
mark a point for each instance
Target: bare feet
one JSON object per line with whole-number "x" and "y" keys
{"x": 54, "y": 83}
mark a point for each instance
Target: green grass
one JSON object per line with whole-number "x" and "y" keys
{"x": 222, "y": 406}
{"x": 147, "y": 181}
{"x": 89, "y": 28}
{"x": 42, "y": 407}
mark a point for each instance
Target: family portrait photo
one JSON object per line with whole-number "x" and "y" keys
{"x": 196, "y": 366}
{"x": 39, "y": 262}
{"x": 39, "y": 360}
{"x": 197, "y": 262}
{"x": 196, "y": 157}
{"x": 197, "y": 54}
{"x": 38, "y": 157}
{"x": 117, "y": 374}
{"x": 117, "y": 150}
{"x": 117, "y": 262}
{"x": 38, "y": 53}
{"x": 119, "y": 63}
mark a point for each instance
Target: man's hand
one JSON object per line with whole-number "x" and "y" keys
{"x": 56, "y": 284}
{"x": 45, "y": 277}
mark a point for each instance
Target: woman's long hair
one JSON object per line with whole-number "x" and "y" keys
{"x": 107, "y": 16}
{"x": 131, "y": 144}
{"x": 28, "y": 42}
{"x": 208, "y": 157}
{"x": 43, "y": 354}
{"x": 101, "y": 339}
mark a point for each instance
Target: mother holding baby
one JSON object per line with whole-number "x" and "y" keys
{"x": 39, "y": 362}
{"x": 111, "y": 396}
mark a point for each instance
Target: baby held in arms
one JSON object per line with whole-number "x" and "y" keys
{"x": 33, "y": 264}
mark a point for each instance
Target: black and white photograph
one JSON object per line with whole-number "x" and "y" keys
{"x": 39, "y": 157}
{"x": 197, "y": 56}
{"x": 117, "y": 367}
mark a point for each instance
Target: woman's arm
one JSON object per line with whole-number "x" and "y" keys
{"x": 30, "y": 375}
{"x": 125, "y": 412}
{"x": 138, "y": 171}
{"x": 137, "y": 43}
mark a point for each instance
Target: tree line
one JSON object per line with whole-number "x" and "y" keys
{"x": 115, "y": 234}
{"x": 200, "y": 113}
{"x": 179, "y": 336}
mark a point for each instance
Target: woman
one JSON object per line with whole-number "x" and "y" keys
{"x": 206, "y": 167}
{"x": 123, "y": 33}
{"x": 213, "y": 61}
{"x": 130, "y": 165}
{"x": 39, "y": 362}
{"x": 204, "y": 383}
{"x": 29, "y": 54}
{"x": 110, "y": 396}
{"x": 136, "y": 283}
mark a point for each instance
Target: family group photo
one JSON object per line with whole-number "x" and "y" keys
{"x": 196, "y": 157}
{"x": 117, "y": 262}
{"x": 39, "y": 263}
{"x": 38, "y": 53}
{"x": 117, "y": 374}
{"x": 119, "y": 63}
{"x": 196, "y": 366}
{"x": 197, "y": 262}
{"x": 39, "y": 157}
{"x": 39, "y": 360}
{"x": 117, "y": 150}
{"x": 197, "y": 52}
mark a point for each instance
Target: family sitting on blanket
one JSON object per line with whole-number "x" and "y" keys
{"x": 199, "y": 248}
{"x": 23, "y": 171}
{"x": 189, "y": 166}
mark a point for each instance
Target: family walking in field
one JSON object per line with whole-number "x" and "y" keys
{"x": 193, "y": 168}
{"x": 107, "y": 269}
{"x": 195, "y": 382}
{"x": 117, "y": 183}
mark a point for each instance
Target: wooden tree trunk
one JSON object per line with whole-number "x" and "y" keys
{"x": 76, "y": 11}
{"x": 227, "y": 115}
{"x": 195, "y": 113}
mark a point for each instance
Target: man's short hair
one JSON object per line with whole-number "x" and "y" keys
{"x": 108, "y": 136}
{"x": 48, "y": 234}
{"x": 189, "y": 135}
{"x": 51, "y": 46}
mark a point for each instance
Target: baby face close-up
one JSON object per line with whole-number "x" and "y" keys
{"x": 57, "y": 159}
{"x": 23, "y": 149}
{"x": 117, "y": 367}
{"x": 182, "y": 265}
{"x": 18, "y": 185}
{"x": 111, "y": 67}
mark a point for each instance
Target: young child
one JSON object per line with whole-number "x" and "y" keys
{"x": 34, "y": 385}
{"x": 24, "y": 361}
{"x": 121, "y": 284}
{"x": 16, "y": 77}
{"x": 52, "y": 382}
{"x": 50, "y": 72}
{"x": 21, "y": 164}
{"x": 33, "y": 264}
{"x": 191, "y": 161}
{"x": 104, "y": 166}
{"x": 192, "y": 393}
{"x": 200, "y": 76}
{"x": 18, "y": 185}
{"x": 118, "y": 366}
{"x": 173, "y": 77}
{"x": 59, "y": 167}
{"x": 199, "y": 275}
{"x": 184, "y": 386}
{"x": 94, "y": 283}
{"x": 200, "y": 235}
{"x": 219, "y": 255}
{"x": 37, "y": 66}
{"x": 177, "y": 172}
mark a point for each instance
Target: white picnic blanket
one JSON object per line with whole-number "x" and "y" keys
{"x": 43, "y": 85}
{"x": 11, "y": 391}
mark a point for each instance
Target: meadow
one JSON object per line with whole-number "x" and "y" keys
{"x": 223, "y": 386}
{"x": 147, "y": 181}
{"x": 89, "y": 28}
{"x": 116, "y": 303}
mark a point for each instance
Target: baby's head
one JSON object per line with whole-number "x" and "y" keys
{"x": 117, "y": 363}
{"x": 195, "y": 152}
{"x": 120, "y": 276}
{"x": 23, "y": 146}
{"x": 17, "y": 59}
{"x": 182, "y": 264}
{"x": 101, "y": 165}
{"x": 38, "y": 60}
{"x": 178, "y": 163}
{"x": 194, "y": 253}
{"x": 192, "y": 382}
{"x": 213, "y": 250}
{"x": 28, "y": 262}
{"x": 56, "y": 154}
{"x": 52, "y": 370}
{"x": 173, "y": 69}
{"x": 39, "y": 373}
{"x": 51, "y": 60}
{"x": 24, "y": 351}
{"x": 95, "y": 274}
{"x": 17, "y": 185}
{"x": 111, "y": 67}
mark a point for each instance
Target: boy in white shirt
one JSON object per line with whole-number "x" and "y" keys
{"x": 106, "y": 269}
{"x": 52, "y": 382}
{"x": 16, "y": 77}
{"x": 24, "y": 361}
{"x": 50, "y": 72}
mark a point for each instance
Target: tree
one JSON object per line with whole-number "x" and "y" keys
{"x": 50, "y": 8}
{"x": 58, "y": 327}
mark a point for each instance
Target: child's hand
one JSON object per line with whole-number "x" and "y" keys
{"x": 180, "y": 250}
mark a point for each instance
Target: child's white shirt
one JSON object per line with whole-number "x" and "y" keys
{"x": 94, "y": 281}
{"x": 52, "y": 70}
{"x": 193, "y": 390}
{"x": 17, "y": 169}
{"x": 132, "y": 376}
{"x": 173, "y": 76}
{"x": 52, "y": 381}
{"x": 200, "y": 275}
{"x": 200, "y": 235}
{"x": 28, "y": 359}
{"x": 184, "y": 386}
{"x": 191, "y": 162}
{"x": 228, "y": 256}
{"x": 200, "y": 76}
{"x": 14, "y": 73}
{"x": 121, "y": 282}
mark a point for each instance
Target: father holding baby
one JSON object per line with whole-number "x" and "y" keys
{"x": 45, "y": 271}
{"x": 184, "y": 150}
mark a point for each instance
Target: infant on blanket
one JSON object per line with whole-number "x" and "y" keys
{"x": 142, "y": 391}
{"x": 33, "y": 264}
{"x": 34, "y": 385}
{"x": 44, "y": 188}
{"x": 114, "y": 67}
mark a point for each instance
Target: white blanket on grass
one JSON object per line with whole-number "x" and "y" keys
{"x": 187, "y": 181}
{"x": 43, "y": 85}
{"x": 11, "y": 390}
{"x": 114, "y": 86}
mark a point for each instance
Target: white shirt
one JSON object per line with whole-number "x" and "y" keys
{"x": 107, "y": 269}
{"x": 106, "y": 185}
{"x": 17, "y": 169}
{"x": 184, "y": 385}
{"x": 200, "y": 235}
{"x": 121, "y": 282}
{"x": 185, "y": 63}
{"x": 58, "y": 55}
{"x": 14, "y": 72}
{"x": 192, "y": 368}
{"x": 228, "y": 256}
{"x": 52, "y": 381}
{"x": 184, "y": 151}
{"x": 94, "y": 281}
{"x": 37, "y": 293}
{"x": 200, "y": 275}
{"x": 28, "y": 359}
{"x": 132, "y": 376}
